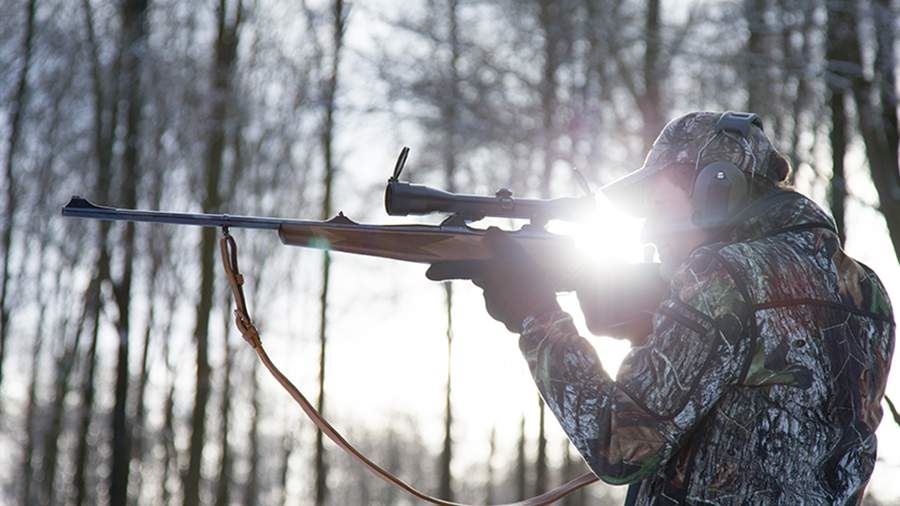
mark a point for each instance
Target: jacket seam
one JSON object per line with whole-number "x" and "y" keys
{"x": 822, "y": 303}
{"x": 742, "y": 286}
{"x": 683, "y": 320}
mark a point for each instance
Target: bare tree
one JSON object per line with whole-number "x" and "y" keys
{"x": 449, "y": 108}
{"x": 133, "y": 49}
{"x": 167, "y": 431}
{"x": 549, "y": 20}
{"x": 228, "y": 21}
{"x": 157, "y": 247}
{"x": 32, "y": 403}
{"x": 489, "y": 480}
{"x": 106, "y": 104}
{"x": 644, "y": 82}
{"x": 875, "y": 102}
{"x": 16, "y": 112}
{"x": 798, "y": 62}
{"x": 223, "y": 482}
{"x": 837, "y": 51}
{"x": 287, "y": 449}
{"x": 756, "y": 61}
{"x": 571, "y": 469}
{"x": 251, "y": 485}
{"x": 329, "y": 102}
{"x": 521, "y": 463}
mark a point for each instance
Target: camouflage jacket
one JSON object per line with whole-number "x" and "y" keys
{"x": 761, "y": 382}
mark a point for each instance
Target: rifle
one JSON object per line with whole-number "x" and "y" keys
{"x": 451, "y": 240}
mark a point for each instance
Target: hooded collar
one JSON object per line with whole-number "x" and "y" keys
{"x": 776, "y": 212}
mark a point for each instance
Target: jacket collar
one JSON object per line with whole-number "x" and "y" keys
{"x": 777, "y": 211}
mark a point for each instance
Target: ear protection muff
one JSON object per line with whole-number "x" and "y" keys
{"x": 720, "y": 189}
{"x": 720, "y": 192}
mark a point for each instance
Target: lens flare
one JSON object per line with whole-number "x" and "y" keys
{"x": 608, "y": 236}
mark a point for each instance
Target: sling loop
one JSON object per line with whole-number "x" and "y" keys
{"x": 228, "y": 249}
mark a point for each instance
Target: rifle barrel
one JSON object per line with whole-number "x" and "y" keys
{"x": 79, "y": 207}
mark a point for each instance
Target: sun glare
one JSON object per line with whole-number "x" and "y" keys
{"x": 606, "y": 237}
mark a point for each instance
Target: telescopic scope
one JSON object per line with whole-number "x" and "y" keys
{"x": 403, "y": 199}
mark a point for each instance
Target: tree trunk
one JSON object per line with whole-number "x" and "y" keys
{"x": 63, "y": 365}
{"x": 887, "y": 175}
{"x": 645, "y": 86}
{"x": 133, "y": 39}
{"x": 549, "y": 21}
{"x": 16, "y": 114}
{"x": 521, "y": 463}
{"x": 803, "y": 95}
{"x": 287, "y": 448}
{"x": 106, "y": 106}
{"x": 876, "y": 124}
{"x": 27, "y": 468}
{"x": 651, "y": 104}
{"x": 321, "y": 469}
{"x": 225, "y": 57}
{"x": 139, "y": 429}
{"x": 756, "y": 64}
{"x": 223, "y": 483}
{"x": 445, "y": 491}
{"x": 87, "y": 409}
{"x": 156, "y": 251}
{"x": 885, "y": 16}
{"x": 570, "y": 470}
{"x": 50, "y": 456}
{"x": 540, "y": 468}
{"x": 837, "y": 191}
{"x": 449, "y": 115}
{"x": 328, "y": 133}
{"x": 251, "y": 486}
{"x": 837, "y": 90}
{"x": 167, "y": 434}
{"x": 31, "y": 406}
{"x": 489, "y": 485}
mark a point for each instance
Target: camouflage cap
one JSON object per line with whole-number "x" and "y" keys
{"x": 680, "y": 143}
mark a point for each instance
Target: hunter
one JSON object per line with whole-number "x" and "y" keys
{"x": 758, "y": 372}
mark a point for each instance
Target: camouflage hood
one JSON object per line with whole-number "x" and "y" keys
{"x": 680, "y": 144}
{"x": 683, "y": 139}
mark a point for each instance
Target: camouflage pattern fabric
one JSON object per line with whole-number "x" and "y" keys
{"x": 678, "y": 147}
{"x": 683, "y": 139}
{"x": 761, "y": 382}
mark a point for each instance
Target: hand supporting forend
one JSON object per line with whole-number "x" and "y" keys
{"x": 514, "y": 286}
{"x": 619, "y": 301}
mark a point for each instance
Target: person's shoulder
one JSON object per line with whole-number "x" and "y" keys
{"x": 872, "y": 295}
{"x": 709, "y": 283}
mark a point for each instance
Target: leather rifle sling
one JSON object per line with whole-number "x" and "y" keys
{"x": 228, "y": 249}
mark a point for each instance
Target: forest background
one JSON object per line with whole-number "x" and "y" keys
{"x": 123, "y": 380}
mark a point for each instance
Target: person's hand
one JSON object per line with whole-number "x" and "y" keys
{"x": 515, "y": 287}
{"x": 619, "y": 300}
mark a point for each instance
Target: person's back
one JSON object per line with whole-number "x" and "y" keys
{"x": 798, "y": 427}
